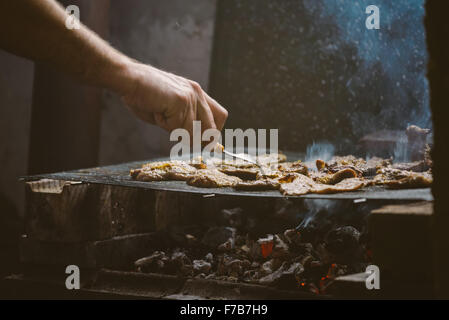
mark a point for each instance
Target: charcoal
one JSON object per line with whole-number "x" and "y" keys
{"x": 216, "y": 236}
{"x": 226, "y": 246}
{"x": 210, "y": 276}
{"x": 306, "y": 248}
{"x": 249, "y": 275}
{"x": 151, "y": 263}
{"x": 316, "y": 264}
{"x": 179, "y": 259}
{"x": 306, "y": 260}
{"x": 233, "y": 217}
{"x": 235, "y": 267}
{"x": 274, "y": 277}
{"x": 186, "y": 270}
{"x": 201, "y": 266}
{"x": 293, "y": 236}
{"x": 307, "y": 257}
{"x": 209, "y": 257}
{"x": 255, "y": 251}
{"x": 343, "y": 239}
{"x": 245, "y": 249}
{"x": 246, "y": 263}
{"x": 267, "y": 267}
{"x": 240, "y": 240}
{"x": 280, "y": 248}
{"x": 290, "y": 276}
{"x": 191, "y": 240}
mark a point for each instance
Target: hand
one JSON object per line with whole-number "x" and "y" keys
{"x": 170, "y": 101}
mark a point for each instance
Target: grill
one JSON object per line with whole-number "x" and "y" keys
{"x": 103, "y": 220}
{"x": 118, "y": 175}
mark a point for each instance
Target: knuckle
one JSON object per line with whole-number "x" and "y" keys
{"x": 225, "y": 114}
{"x": 184, "y": 97}
{"x": 195, "y": 85}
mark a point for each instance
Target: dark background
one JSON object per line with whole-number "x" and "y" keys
{"x": 312, "y": 69}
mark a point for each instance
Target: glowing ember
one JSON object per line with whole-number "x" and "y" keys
{"x": 267, "y": 248}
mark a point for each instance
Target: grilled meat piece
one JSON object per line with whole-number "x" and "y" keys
{"x": 258, "y": 185}
{"x": 296, "y": 184}
{"x": 271, "y": 158}
{"x": 395, "y": 178}
{"x": 163, "y": 170}
{"x": 301, "y": 185}
{"x": 243, "y": 173}
{"x": 413, "y": 181}
{"x": 345, "y": 185}
{"x": 250, "y": 171}
{"x": 362, "y": 167}
{"x": 320, "y": 164}
{"x": 293, "y": 167}
{"x": 417, "y": 166}
{"x": 212, "y": 178}
{"x": 337, "y": 177}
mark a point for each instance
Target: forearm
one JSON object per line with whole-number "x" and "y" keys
{"x": 36, "y": 29}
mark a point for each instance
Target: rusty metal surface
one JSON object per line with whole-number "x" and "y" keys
{"x": 119, "y": 175}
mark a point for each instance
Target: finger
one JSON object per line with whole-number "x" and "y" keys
{"x": 161, "y": 121}
{"x": 204, "y": 112}
{"x": 220, "y": 114}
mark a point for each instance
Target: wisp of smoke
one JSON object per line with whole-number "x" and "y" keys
{"x": 320, "y": 150}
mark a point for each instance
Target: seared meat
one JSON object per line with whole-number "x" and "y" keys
{"x": 163, "y": 170}
{"x": 212, "y": 178}
{"x": 320, "y": 164}
{"x": 336, "y": 177}
{"x": 301, "y": 185}
{"x": 395, "y": 178}
{"x": 360, "y": 166}
{"x": 346, "y": 185}
{"x": 296, "y": 184}
{"x": 243, "y": 173}
{"x": 258, "y": 185}
{"x": 293, "y": 167}
{"x": 271, "y": 158}
{"x": 340, "y": 174}
{"x": 417, "y": 166}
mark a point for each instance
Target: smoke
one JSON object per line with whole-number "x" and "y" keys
{"x": 322, "y": 215}
{"x": 390, "y": 61}
{"x": 320, "y": 150}
{"x": 314, "y": 207}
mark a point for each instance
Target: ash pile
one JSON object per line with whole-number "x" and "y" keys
{"x": 309, "y": 245}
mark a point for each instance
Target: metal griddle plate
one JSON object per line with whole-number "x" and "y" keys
{"x": 119, "y": 175}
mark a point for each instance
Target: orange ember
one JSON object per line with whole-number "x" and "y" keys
{"x": 267, "y": 248}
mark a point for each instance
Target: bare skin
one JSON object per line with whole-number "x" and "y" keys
{"x": 36, "y": 29}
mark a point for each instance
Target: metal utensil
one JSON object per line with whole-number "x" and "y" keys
{"x": 245, "y": 157}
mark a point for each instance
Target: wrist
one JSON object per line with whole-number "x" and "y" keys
{"x": 119, "y": 75}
